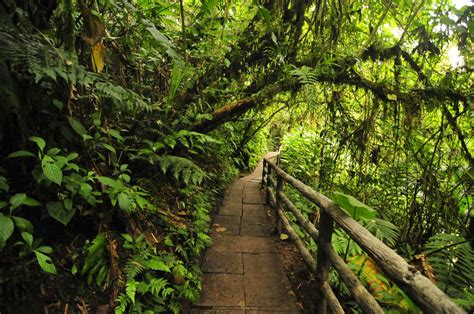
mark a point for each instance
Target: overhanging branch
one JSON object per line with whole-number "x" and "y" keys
{"x": 381, "y": 91}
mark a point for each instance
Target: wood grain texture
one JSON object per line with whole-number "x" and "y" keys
{"x": 423, "y": 292}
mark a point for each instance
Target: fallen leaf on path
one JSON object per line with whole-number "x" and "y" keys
{"x": 283, "y": 237}
{"x": 220, "y": 229}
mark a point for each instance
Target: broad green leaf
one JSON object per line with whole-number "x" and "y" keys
{"x": 265, "y": 14}
{"x": 21, "y": 153}
{"x": 53, "y": 151}
{"x": 23, "y": 224}
{"x": 39, "y": 141}
{"x": 45, "y": 249}
{"x": 4, "y": 184}
{"x": 51, "y": 170}
{"x": 124, "y": 202}
{"x": 110, "y": 182}
{"x": 116, "y": 134}
{"x": 58, "y": 212}
{"x": 177, "y": 74}
{"x": 28, "y": 237}
{"x": 31, "y": 202}
{"x": 68, "y": 204}
{"x": 77, "y": 126}
{"x": 6, "y": 229}
{"x": 354, "y": 207}
{"x": 3, "y": 204}
{"x": 22, "y": 199}
{"x": 123, "y": 167}
{"x": 58, "y": 104}
{"x": 109, "y": 148}
{"x": 45, "y": 262}
{"x": 127, "y": 237}
{"x": 72, "y": 156}
{"x": 162, "y": 39}
{"x": 17, "y": 200}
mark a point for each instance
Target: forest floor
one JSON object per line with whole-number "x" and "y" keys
{"x": 248, "y": 269}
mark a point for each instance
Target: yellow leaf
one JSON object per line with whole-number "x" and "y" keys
{"x": 392, "y": 97}
{"x": 371, "y": 273}
{"x": 98, "y": 57}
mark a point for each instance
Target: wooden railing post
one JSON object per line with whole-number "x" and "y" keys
{"x": 422, "y": 291}
{"x": 279, "y": 190}
{"x": 264, "y": 173}
{"x": 268, "y": 185}
{"x": 323, "y": 264}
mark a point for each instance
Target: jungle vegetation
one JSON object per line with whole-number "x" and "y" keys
{"x": 121, "y": 123}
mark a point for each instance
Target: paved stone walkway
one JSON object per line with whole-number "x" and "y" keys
{"x": 242, "y": 269}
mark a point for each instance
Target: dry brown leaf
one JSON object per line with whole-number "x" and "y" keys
{"x": 425, "y": 267}
{"x": 220, "y": 229}
{"x": 94, "y": 29}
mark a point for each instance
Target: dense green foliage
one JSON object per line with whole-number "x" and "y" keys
{"x": 114, "y": 146}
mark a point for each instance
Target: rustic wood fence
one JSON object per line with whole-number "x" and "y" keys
{"x": 419, "y": 288}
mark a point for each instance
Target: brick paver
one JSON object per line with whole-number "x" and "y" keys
{"x": 242, "y": 271}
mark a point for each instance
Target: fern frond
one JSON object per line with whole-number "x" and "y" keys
{"x": 41, "y": 60}
{"x": 384, "y": 230}
{"x": 131, "y": 289}
{"x": 158, "y": 265}
{"x": 182, "y": 168}
{"x": 157, "y": 285}
{"x": 123, "y": 302}
{"x": 95, "y": 257}
{"x": 44, "y": 61}
{"x": 452, "y": 259}
{"x": 133, "y": 268}
{"x": 305, "y": 75}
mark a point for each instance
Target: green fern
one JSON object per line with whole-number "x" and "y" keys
{"x": 155, "y": 263}
{"x": 96, "y": 263}
{"x": 133, "y": 268}
{"x": 131, "y": 289}
{"x": 452, "y": 259}
{"x": 123, "y": 301}
{"x": 156, "y": 285}
{"x": 305, "y": 75}
{"x": 43, "y": 61}
{"x": 182, "y": 168}
{"x": 383, "y": 230}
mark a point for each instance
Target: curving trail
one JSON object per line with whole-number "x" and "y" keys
{"x": 242, "y": 269}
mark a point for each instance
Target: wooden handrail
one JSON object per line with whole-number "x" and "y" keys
{"x": 423, "y": 292}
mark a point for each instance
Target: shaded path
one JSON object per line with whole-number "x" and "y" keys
{"x": 242, "y": 269}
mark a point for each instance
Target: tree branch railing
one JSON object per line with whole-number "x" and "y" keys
{"x": 419, "y": 288}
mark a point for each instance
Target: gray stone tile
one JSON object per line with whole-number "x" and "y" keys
{"x": 224, "y": 224}
{"x": 262, "y": 263}
{"x": 226, "y": 243}
{"x": 254, "y": 210}
{"x": 222, "y": 262}
{"x": 269, "y": 290}
{"x": 253, "y": 244}
{"x": 222, "y": 290}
